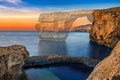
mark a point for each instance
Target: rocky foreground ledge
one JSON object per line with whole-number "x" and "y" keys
{"x": 38, "y": 61}
{"x": 11, "y": 61}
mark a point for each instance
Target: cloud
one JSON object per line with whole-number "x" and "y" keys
{"x": 17, "y": 12}
{"x": 2, "y": 7}
{"x": 12, "y": 1}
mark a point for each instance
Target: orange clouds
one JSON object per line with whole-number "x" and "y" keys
{"x": 18, "y": 22}
{"x": 12, "y": 18}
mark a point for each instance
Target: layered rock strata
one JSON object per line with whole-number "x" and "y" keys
{"x": 55, "y": 25}
{"x": 106, "y": 27}
{"x": 63, "y": 21}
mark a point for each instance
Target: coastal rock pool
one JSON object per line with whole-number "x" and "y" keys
{"x": 77, "y": 44}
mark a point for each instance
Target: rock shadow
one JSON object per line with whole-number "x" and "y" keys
{"x": 98, "y": 51}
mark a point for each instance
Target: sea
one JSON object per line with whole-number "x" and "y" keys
{"x": 76, "y": 44}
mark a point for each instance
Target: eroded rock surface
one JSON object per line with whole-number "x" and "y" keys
{"x": 11, "y": 62}
{"x": 64, "y": 21}
{"x": 106, "y": 27}
{"x": 57, "y": 59}
{"x": 56, "y": 25}
{"x": 109, "y": 68}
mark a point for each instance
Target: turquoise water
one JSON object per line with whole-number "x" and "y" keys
{"x": 77, "y": 44}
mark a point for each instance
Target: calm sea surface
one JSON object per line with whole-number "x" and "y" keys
{"x": 77, "y": 44}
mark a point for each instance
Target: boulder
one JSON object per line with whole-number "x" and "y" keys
{"x": 11, "y": 61}
{"x": 109, "y": 68}
{"x": 106, "y": 27}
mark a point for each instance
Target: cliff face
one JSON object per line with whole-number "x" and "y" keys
{"x": 11, "y": 62}
{"x": 109, "y": 68}
{"x": 106, "y": 27}
{"x": 63, "y": 20}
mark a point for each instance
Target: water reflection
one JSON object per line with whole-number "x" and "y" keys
{"x": 48, "y": 47}
{"x": 98, "y": 51}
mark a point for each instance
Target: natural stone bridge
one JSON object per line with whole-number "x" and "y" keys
{"x": 39, "y": 61}
{"x": 55, "y": 26}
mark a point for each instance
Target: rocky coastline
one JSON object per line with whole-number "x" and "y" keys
{"x": 15, "y": 58}
{"x": 109, "y": 68}
{"x": 105, "y": 31}
{"x": 106, "y": 27}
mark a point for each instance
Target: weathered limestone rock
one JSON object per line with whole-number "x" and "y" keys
{"x": 109, "y": 68}
{"x": 57, "y": 59}
{"x": 55, "y": 25}
{"x": 11, "y": 61}
{"x": 106, "y": 27}
{"x": 64, "y": 21}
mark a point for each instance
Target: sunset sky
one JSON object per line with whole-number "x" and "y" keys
{"x": 24, "y": 14}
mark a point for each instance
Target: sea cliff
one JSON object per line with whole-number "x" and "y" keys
{"x": 109, "y": 68}
{"x": 106, "y": 31}
{"x": 106, "y": 27}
